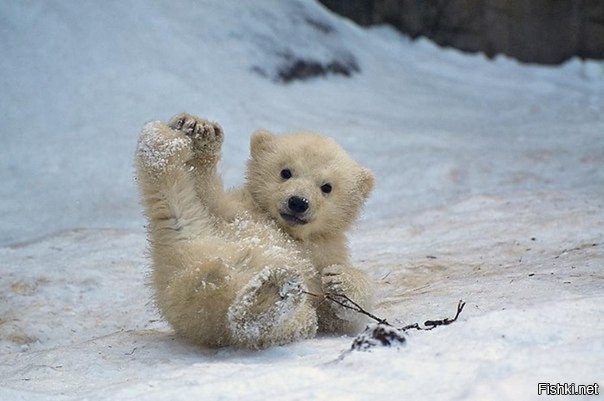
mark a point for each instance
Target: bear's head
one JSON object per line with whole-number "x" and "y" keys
{"x": 306, "y": 182}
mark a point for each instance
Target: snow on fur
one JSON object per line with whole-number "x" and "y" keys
{"x": 153, "y": 151}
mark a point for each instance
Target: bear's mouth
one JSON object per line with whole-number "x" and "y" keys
{"x": 292, "y": 220}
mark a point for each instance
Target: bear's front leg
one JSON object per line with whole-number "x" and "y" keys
{"x": 207, "y": 138}
{"x": 353, "y": 283}
{"x": 167, "y": 187}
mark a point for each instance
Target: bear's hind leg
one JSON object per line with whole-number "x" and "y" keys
{"x": 195, "y": 302}
{"x": 271, "y": 309}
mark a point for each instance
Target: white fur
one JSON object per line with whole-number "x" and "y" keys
{"x": 227, "y": 268}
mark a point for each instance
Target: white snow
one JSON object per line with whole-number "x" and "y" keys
{"x": 490, "y": 189}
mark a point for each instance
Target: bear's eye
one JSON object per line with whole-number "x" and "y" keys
{"x": 326, "y": 188}
{"x": 286, "y": 173}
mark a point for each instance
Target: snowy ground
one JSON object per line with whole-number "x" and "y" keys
{"x": 490, "y": 189}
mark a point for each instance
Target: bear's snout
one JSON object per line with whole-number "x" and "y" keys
{"x": 297, "y": 204}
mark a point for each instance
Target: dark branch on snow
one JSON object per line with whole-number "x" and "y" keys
{"x": 348, "y": 303}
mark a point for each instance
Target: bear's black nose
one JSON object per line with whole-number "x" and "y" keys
{"x": 297, "y": 204}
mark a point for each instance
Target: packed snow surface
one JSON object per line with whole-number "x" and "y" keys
{"x": 490, "y": 189}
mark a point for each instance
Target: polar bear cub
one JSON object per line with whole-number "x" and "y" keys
{"x": 234, "y": 267}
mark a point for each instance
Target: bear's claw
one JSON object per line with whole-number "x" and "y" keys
{"x": 207, "y": 136}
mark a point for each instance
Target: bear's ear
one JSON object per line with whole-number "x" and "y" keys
{"x": 260, "y": 142}
{"x": 366, "y": 182}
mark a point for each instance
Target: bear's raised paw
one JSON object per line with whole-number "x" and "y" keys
{"x": 161, "y": 150}
{"x": 207, "y": 136}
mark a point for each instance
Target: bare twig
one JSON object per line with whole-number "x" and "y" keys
{"x": 414, "y": 326}
{"x": 430, "y": 324}
{"x": 348, "y": 303}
